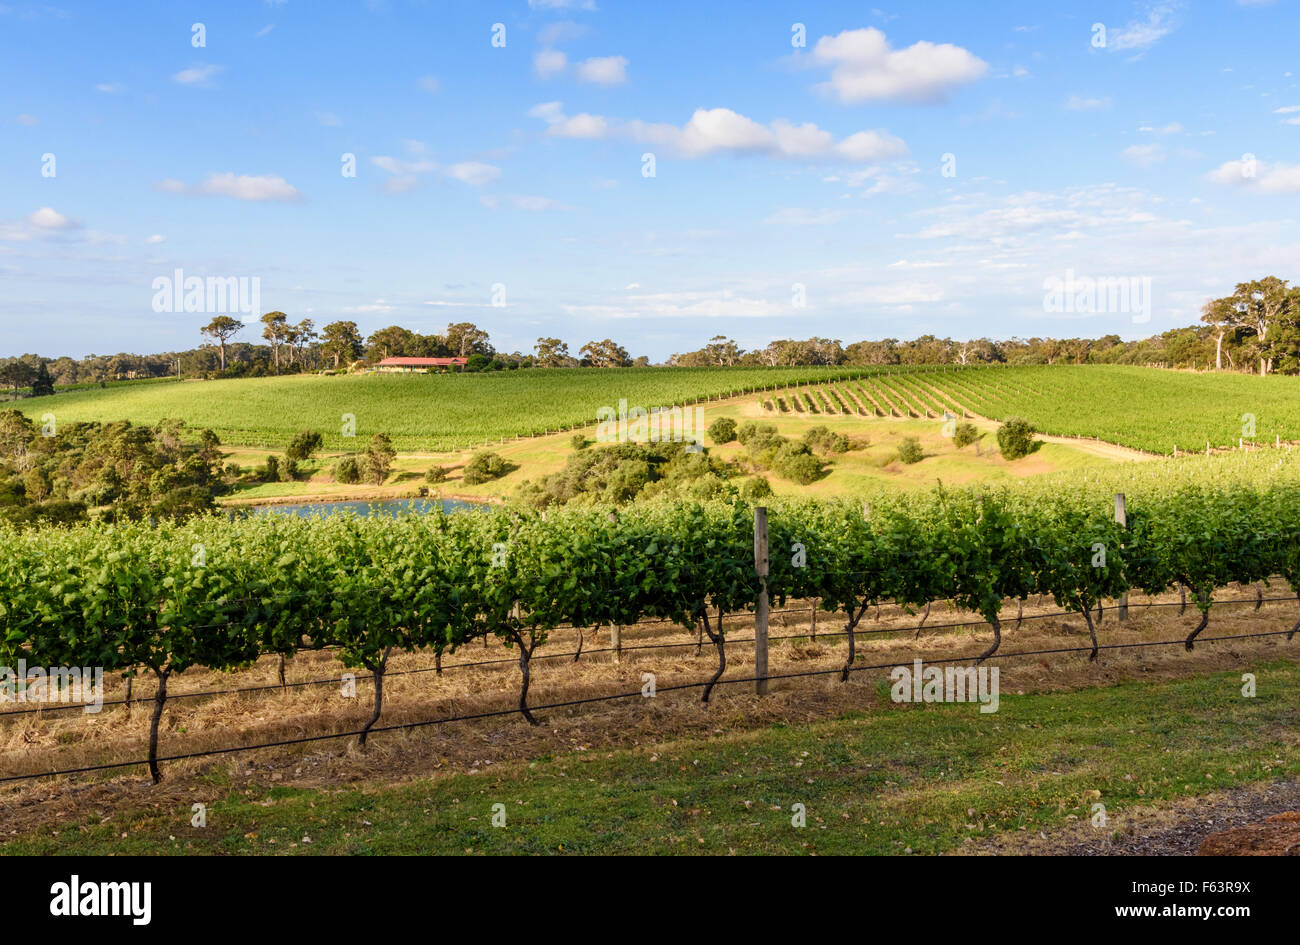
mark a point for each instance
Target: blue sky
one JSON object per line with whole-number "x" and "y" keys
{"x": 521, "y": 165}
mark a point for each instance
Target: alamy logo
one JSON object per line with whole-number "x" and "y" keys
{"x": 75, "y": 898}
{"x": 920, "y": 683}
{"x": 1113, "y": 295}
{"x": 215, "y": 295}
{"x": 66, "y": 684}
{"x": 656, "y": 425}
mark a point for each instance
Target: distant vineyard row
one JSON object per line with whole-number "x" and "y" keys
{"x": 1145, "y": 409}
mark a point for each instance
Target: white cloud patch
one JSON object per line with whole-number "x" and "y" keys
{"x": 427, "y": 83}
{"x": 110, "y": 88}
{"x": 864, "y": 68}
{"x": 474, "y": 173}
{"x": 1144, "y": 32}
{"x": 1144, "y": 155}
{"x": 28, "y": 120}
{"x": 1259, "y": 176}
{"x": 524, "y": 202}
{"x": 156, "y": 238}
{"x": 605, "y": 70}
{"x": 47, "y": 218}
{"x": 253, "y": 188}
{"x": 550, "y": 63}
{"x": 199, "y": 75}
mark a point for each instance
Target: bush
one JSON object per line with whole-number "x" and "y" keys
{"x": 795, "y": 462}
{"x": 1016, "y": 438}
{"x": 347, "y": 470}
{"x": 751, "y": 490}
{"x": 271, "y": 471}
{"x": 578, "y": 441}
{"x": 822, "y": 439}
{"x": 722, "y": 430}
{"x": 436, "y": 474}
{"x": 484, "y": 467}
{"x": 909, "y": 451}
{"x": 757, "y": 437}
{"x": 477, "y": 362}
{"x": 965, "y": 434}
{"x": 303, "y": 445}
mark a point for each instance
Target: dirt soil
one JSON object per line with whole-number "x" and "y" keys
{"x": 482, "y": 679}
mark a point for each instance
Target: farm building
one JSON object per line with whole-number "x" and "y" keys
{"x": 416, "y": 365}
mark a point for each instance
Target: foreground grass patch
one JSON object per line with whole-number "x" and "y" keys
{"x": 891, "y": 780}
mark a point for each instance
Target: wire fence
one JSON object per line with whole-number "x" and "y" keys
{"x": 496, "y": 713}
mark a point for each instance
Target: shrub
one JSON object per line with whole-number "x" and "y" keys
{"x": 795, "y": 462}
{"x": 1016, "y": 438}
{"x": 965, "y": 434}
{"x": 757, "y": 437}
{"x": 303, "y": 445}
{"x": 821, "y": 438}
{"x": 271, "y": 471}
{"x": 751, "y": 490}
{"x": 909, "y": 451}
{"x": 436, "y": 474}
{"x": 347, "y": 470}
{"x": 578, "y": 441}
{"x": 722, "y": 430}
{"x": 484, "y": 467}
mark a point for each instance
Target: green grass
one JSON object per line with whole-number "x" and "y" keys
{"x": 419, "y": 412}
{"x": 887, "y": 780}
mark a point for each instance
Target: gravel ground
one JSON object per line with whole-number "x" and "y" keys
{"x": 1178, "y": 831}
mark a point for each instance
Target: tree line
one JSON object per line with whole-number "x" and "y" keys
{"x": 1255, "y": 328}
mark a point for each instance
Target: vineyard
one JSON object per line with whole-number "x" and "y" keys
{"x": 1146, "y": 409}
{"x": 1143, "y": 408}
{"x": 420, "y": 413}
{"x": 217, "y": 595}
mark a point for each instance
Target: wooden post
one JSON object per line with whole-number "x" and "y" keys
{"x": 761, "y": 608}
{"x": 616, "y": 641}
{"x": 1121, "y": 516}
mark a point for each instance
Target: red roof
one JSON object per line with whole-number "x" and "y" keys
{"x": 422, "y": 362}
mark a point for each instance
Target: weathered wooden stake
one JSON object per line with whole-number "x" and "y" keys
{"x": 761, "y": 608}
{"x": 1121, "y": 516}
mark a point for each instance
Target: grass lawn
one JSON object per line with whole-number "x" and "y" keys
{"x": 886, "y": 780}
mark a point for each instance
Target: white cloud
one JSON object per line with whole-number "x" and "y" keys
{"x": 721, "y": 130}
{"x": 864, "y": 68}
{"x": 329, "y": 119}
{"x": 28, "y": 120}
{"x": 550, "y": 62}
{"x": 378, "y": 305}
{"x": 110, "y": 88}
{"x": 579, "y": 126}
{"x": 263, "y": 31}
{"x": 253, "y": 188}
{"x": 1080, "y": 103}
{"x": 607, "y": 70}
{"x": 427, "y": 83}
{"x": 1172, "y": 128}
{"x": 560, "y": 32}
{"x": 200, "y": 75}
{"x": 1144, "y": 155}
{"x": 1139, "y": 34}
{"x": 474, "y": 173}
{"x": 1286, "y": 110}
{"x": 1266, "y": 178}
{"x": 47, "y": 218}
{"x": 156, "y": 238}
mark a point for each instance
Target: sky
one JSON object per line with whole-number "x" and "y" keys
{"x": 656, "y": 173}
